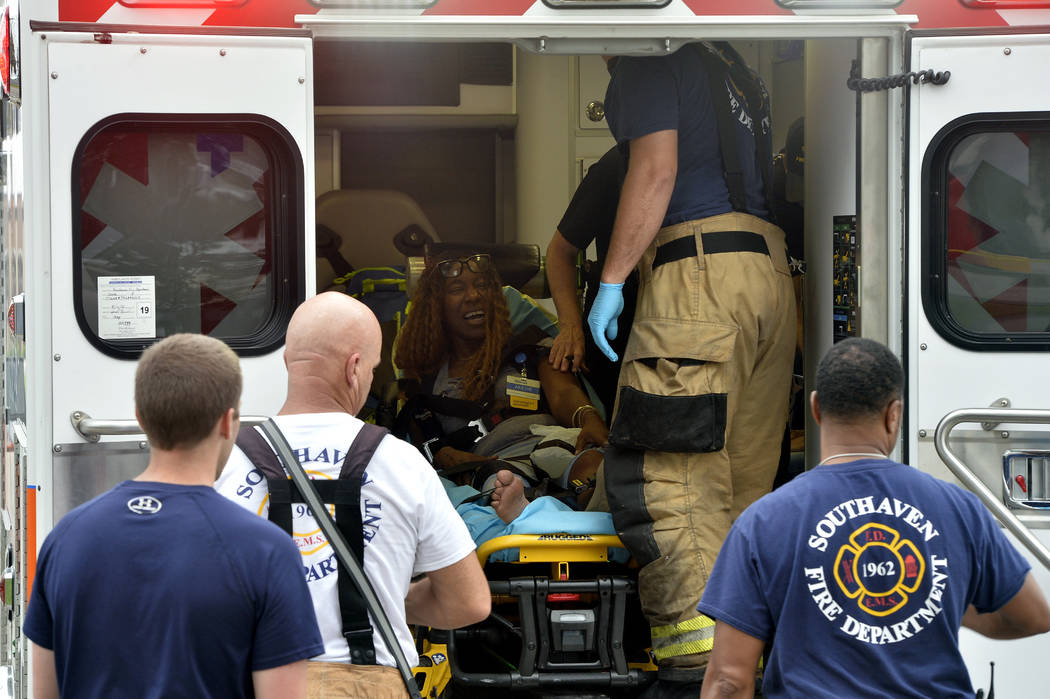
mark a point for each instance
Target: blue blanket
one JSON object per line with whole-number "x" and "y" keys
{"x": 544, "y": 515}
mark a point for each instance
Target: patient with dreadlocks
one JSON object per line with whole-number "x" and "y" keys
{"x": 483, "y": 404}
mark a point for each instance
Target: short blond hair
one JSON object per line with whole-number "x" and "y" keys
{"x": 183, "y": 385}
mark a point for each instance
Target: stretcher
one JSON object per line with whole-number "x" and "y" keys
{"x": 565, "y": 620}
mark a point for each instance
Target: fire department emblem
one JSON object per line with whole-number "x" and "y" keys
{"x": 879, "y": 569}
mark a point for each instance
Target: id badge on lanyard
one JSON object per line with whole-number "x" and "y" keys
{"x": 523, "y": 392}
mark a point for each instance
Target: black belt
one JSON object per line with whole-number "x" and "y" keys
{"x": 714, "y": 243}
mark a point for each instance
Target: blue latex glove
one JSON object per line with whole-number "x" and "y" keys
{"x": 608, "y": 305}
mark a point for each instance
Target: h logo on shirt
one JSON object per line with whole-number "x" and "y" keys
{"x": 145, "y": 505}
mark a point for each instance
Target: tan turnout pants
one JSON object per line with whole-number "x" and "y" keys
{"x": 701, "y": 407}
{"x": 345, "y": 681}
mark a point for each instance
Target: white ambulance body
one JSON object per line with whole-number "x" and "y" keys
{"x": 129, "y": 127}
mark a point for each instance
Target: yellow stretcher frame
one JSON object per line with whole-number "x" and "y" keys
{"x": 553, "y": 548}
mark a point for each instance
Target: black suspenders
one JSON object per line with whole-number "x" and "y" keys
{"x": 723, "y": 61}
{"x": 344, "y": 494}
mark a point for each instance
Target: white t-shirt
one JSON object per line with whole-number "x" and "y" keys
{"x": 410, "y": 526}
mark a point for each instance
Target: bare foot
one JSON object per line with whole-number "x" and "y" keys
{"x": 508, "y": 500}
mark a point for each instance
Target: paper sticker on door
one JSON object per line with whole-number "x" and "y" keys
{"x": 126, "y": 308}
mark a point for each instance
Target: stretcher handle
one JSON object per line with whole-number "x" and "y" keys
{"x": 342, "y": 551}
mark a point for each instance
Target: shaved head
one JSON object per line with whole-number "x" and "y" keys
{"x": 331, "y": 324}
{"x": 332, "y": 338}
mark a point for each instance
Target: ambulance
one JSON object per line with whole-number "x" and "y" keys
{"x": 182, "y": 165}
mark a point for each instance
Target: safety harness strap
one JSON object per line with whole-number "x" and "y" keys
{"x": 344, "y": 494}
{"x": 327, "y": 243}
{"x": 696, "y": 635}
{"x": 357, "y": 630}
{"x": 722, "y": 61}
{"x": 258, "y": 451}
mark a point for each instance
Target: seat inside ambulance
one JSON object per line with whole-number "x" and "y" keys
{"x": 362, "y": 225}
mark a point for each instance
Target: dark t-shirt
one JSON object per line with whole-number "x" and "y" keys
{"x": 658, "y": 93}
{"x": 860, "y": 574}
{"x": 160, "y": 590}
{"x": 590, "y": 216}
{"x": 592, "y": 211}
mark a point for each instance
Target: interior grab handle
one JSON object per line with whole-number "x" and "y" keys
{"x": 92, "y": 429}
{"x": 975, "y": 484}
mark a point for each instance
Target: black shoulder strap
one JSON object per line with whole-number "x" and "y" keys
{"x": 258, "y": 451}
{"x": 727, "y": 141}
{"x": 345, "y": 495}
{"x": 422, "y": 393}
{"x": 754, "y": 89}
{"x": 456, "y": 407}
{"x": 357, "y": 630}
{"x": 722, "y": 62}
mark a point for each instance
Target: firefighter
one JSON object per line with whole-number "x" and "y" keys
{"x": 861, "y": 571}
{"x": 703, "y": 392}
{"x": 404, "y": 524}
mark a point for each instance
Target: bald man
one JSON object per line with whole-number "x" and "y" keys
{"x": 409, "y": 525}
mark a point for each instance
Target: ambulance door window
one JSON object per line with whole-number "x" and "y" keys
{"x": 988, "y": 258}
{"x": 187, "y": 225}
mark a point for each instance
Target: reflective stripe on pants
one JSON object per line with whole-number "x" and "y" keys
{"x": 696, "y": 635}
{"x": 701, "y": 407}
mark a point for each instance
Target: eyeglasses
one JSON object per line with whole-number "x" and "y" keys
{"x": 450, "y": 269}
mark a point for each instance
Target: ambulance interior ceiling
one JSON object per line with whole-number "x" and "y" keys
{"x": 478, "y": 142}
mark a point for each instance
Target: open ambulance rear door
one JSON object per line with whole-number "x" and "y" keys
{"x": 978, "y": 286}
{"x": 171, "y": 186}
{"x": 179, "y": 188}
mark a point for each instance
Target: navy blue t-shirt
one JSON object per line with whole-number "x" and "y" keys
{"x": 658, "y": 93}
{"x": 860, "y": 573}
{"x": 160, "y": 590}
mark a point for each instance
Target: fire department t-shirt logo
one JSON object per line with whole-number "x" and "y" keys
{"x": 880, "y": 580}
{"x": 879, "y": 569}
{"x": 320, "y": 463}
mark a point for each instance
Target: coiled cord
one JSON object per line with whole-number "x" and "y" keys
{"x": 859, "y": 84}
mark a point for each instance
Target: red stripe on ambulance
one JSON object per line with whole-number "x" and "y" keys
{"x": 935, "y": 15}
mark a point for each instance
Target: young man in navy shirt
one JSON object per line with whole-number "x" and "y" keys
{"x": 861, "y": 570}
{"x": 161, "y": 587}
